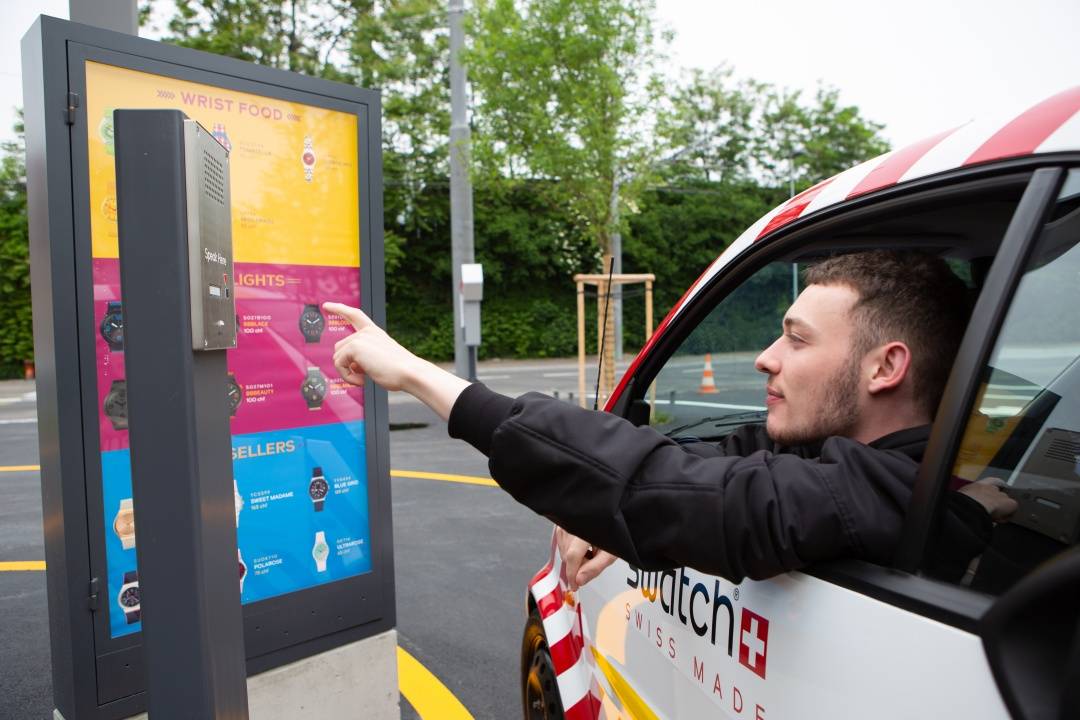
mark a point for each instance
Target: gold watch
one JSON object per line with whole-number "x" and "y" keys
{"x": 124, "y": 524}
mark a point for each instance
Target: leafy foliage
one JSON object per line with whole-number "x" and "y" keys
{"x": 16, "y": 330}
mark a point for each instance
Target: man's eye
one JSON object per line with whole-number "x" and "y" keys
{"x": 795, "y": 339}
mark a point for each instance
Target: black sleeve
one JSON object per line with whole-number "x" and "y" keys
{"x": 642, "y": 497}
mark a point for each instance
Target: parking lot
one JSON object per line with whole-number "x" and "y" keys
{"x": 463, "y": 551}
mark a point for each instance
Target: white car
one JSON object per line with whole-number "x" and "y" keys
{"x": 849, "y": 639}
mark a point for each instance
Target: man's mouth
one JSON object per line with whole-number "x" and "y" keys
{"x": 772, "y": 396}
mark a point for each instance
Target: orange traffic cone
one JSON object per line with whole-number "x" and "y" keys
{"x": 708, "y": 385}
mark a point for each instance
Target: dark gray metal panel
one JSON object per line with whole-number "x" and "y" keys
{"x": 118, "y": 15}
{"x": 59, "y": 389}
{"x": 181, "y": 456}
{"x": 279, "y": 630}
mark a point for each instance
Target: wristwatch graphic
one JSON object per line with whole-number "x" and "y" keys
{"x": 112, "y": 327}
{"x": 243, "y": 569}
{"x": 238, "y": 501}
{"x": 124, "y": 524}
{"x": 320, "y": 551}
{"x": 313, "y": 388}
{"x": 128, "y": 597}
{"x": 115, "y": 405}
{"x": 318, "y": 488}
{"x": 312, "y": 323}
{"x": 235, "y": 392}
{"x": 307, "y": 159}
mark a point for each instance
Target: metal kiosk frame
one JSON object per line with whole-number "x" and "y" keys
{"x": 96, "y": 675}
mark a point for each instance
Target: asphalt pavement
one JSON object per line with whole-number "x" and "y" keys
{"x": 463, "y": 553}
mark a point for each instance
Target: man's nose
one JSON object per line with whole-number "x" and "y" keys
{"x": 767, "y": 362}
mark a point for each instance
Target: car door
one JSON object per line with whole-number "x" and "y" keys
{"x": 847, "y": 639}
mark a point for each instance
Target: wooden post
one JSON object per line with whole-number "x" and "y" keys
{"x": 581, "y": 341}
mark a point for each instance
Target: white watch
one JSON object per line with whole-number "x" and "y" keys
{"x": 238, "y": 501}
{"x": 320, "y": 551}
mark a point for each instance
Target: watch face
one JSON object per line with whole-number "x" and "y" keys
{"x": 112, "y": 329}
{"x": 318, "y": 488}
{"x": 129, "y": 598}
{"x": 314, "y": 388}
{"x": 116, "y": 403}
{"x": 243, "y": 569}
{"x": 125, "y": 523}
{"x": 321, "y": 550}
{"x": 311, "y": 322}
{"x": 235, "y": 394}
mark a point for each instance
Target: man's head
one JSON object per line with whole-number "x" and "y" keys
{"x": 866, "y": 347}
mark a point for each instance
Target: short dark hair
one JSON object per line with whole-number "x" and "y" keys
{"x": 908, "y": 296}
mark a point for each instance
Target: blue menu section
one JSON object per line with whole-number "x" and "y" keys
{"x": 288, "y": 539}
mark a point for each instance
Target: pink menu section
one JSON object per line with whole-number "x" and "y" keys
{"x": 283, "y": 361}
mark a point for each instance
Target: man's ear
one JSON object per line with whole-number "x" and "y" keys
{"x": 888, "y": 365}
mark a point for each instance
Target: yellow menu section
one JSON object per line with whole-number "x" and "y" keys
{"x": 293, "y": 167}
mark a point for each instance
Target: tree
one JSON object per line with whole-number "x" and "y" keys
{"x": 563, "y": 94}
{"x": 16, "y": 329}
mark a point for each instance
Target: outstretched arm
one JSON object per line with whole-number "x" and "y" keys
{"x": 371, "y": 353}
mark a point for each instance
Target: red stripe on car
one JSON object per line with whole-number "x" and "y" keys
{"x": 893, "y": 168}
{"x": 587, "y": 708}
{"x": 565, "y": 653}
{"x": 1029, "y": 129}
{"x": 793, "y": 208}
{"x": 550, "y": 603}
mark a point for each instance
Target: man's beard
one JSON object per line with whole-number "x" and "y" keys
{"x": 837, "y": 416}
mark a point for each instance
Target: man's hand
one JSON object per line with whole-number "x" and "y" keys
{"x": 988, "y": 493}
{"x": 583, "y": 562}
{"x": 371, "y": 353}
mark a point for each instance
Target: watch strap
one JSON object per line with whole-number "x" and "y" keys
{"x": 131, "y": 576}
{"x": 318, "y": 504}
{"x": 133, "y": 616}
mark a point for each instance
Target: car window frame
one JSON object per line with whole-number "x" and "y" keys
{"x": 901, "y": 585}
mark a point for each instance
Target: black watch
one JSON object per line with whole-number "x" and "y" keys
{"x": 128, "y": 597}
{"x": 235, "y": 393}
{"x": 115, "y": 405}
{"x": 313, "y": 388}
{"x": 112, "y": 327}
{"x": 318, "y": 488}
{"x": 312, "y": 323}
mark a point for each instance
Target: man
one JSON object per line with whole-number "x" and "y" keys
{"x": 852, "y": 386}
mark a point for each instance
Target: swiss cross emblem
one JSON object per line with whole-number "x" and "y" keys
{"x": 753, "y": 642}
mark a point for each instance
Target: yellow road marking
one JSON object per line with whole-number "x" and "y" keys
{"x": 428, "y": 696}
{"x": 470, "y": 479}
{"x": 635, "y": 707}
{"x": 417, "y": 474}
{"x": 22, "y": 565}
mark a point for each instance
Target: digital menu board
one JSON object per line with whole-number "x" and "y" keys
{"x": 298, "y": 436}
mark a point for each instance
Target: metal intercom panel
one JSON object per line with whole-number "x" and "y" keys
{"x": 209, "y": 231}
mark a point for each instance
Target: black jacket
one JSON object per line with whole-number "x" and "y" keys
{"x": 740, "y": 508}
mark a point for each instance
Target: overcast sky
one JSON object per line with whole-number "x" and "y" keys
{"x": 918, "y": 66}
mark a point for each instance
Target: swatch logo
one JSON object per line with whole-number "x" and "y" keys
{"x": 753, "y": 642}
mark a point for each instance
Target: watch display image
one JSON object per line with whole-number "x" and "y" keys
{"x": 235, "y": 392}
{"x": 307, "y": 159}
{"x": 313, "y": 388}
{"x": 124, "y": 524}
{"x": 115, "y": 405}
{"x": 317, "y": 489}
{"x": 112, "y": 327}
{"x": 243, "y": 569}
{"x": 238, "y": 501}
{"x": 312, "y": 323}
{"x": 320, "y": 551}
{"x": 128, "y": 597}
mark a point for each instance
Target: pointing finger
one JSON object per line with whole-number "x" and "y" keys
{"x": 355, "y": 316}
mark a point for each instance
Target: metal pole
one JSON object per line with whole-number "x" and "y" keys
{"x": 616, "y": 253}
{"x": 791, "y": 194}
{"x": 119, "y": 15}
{"x": 461, "y": 206}
{"x": 181, "y": 455}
